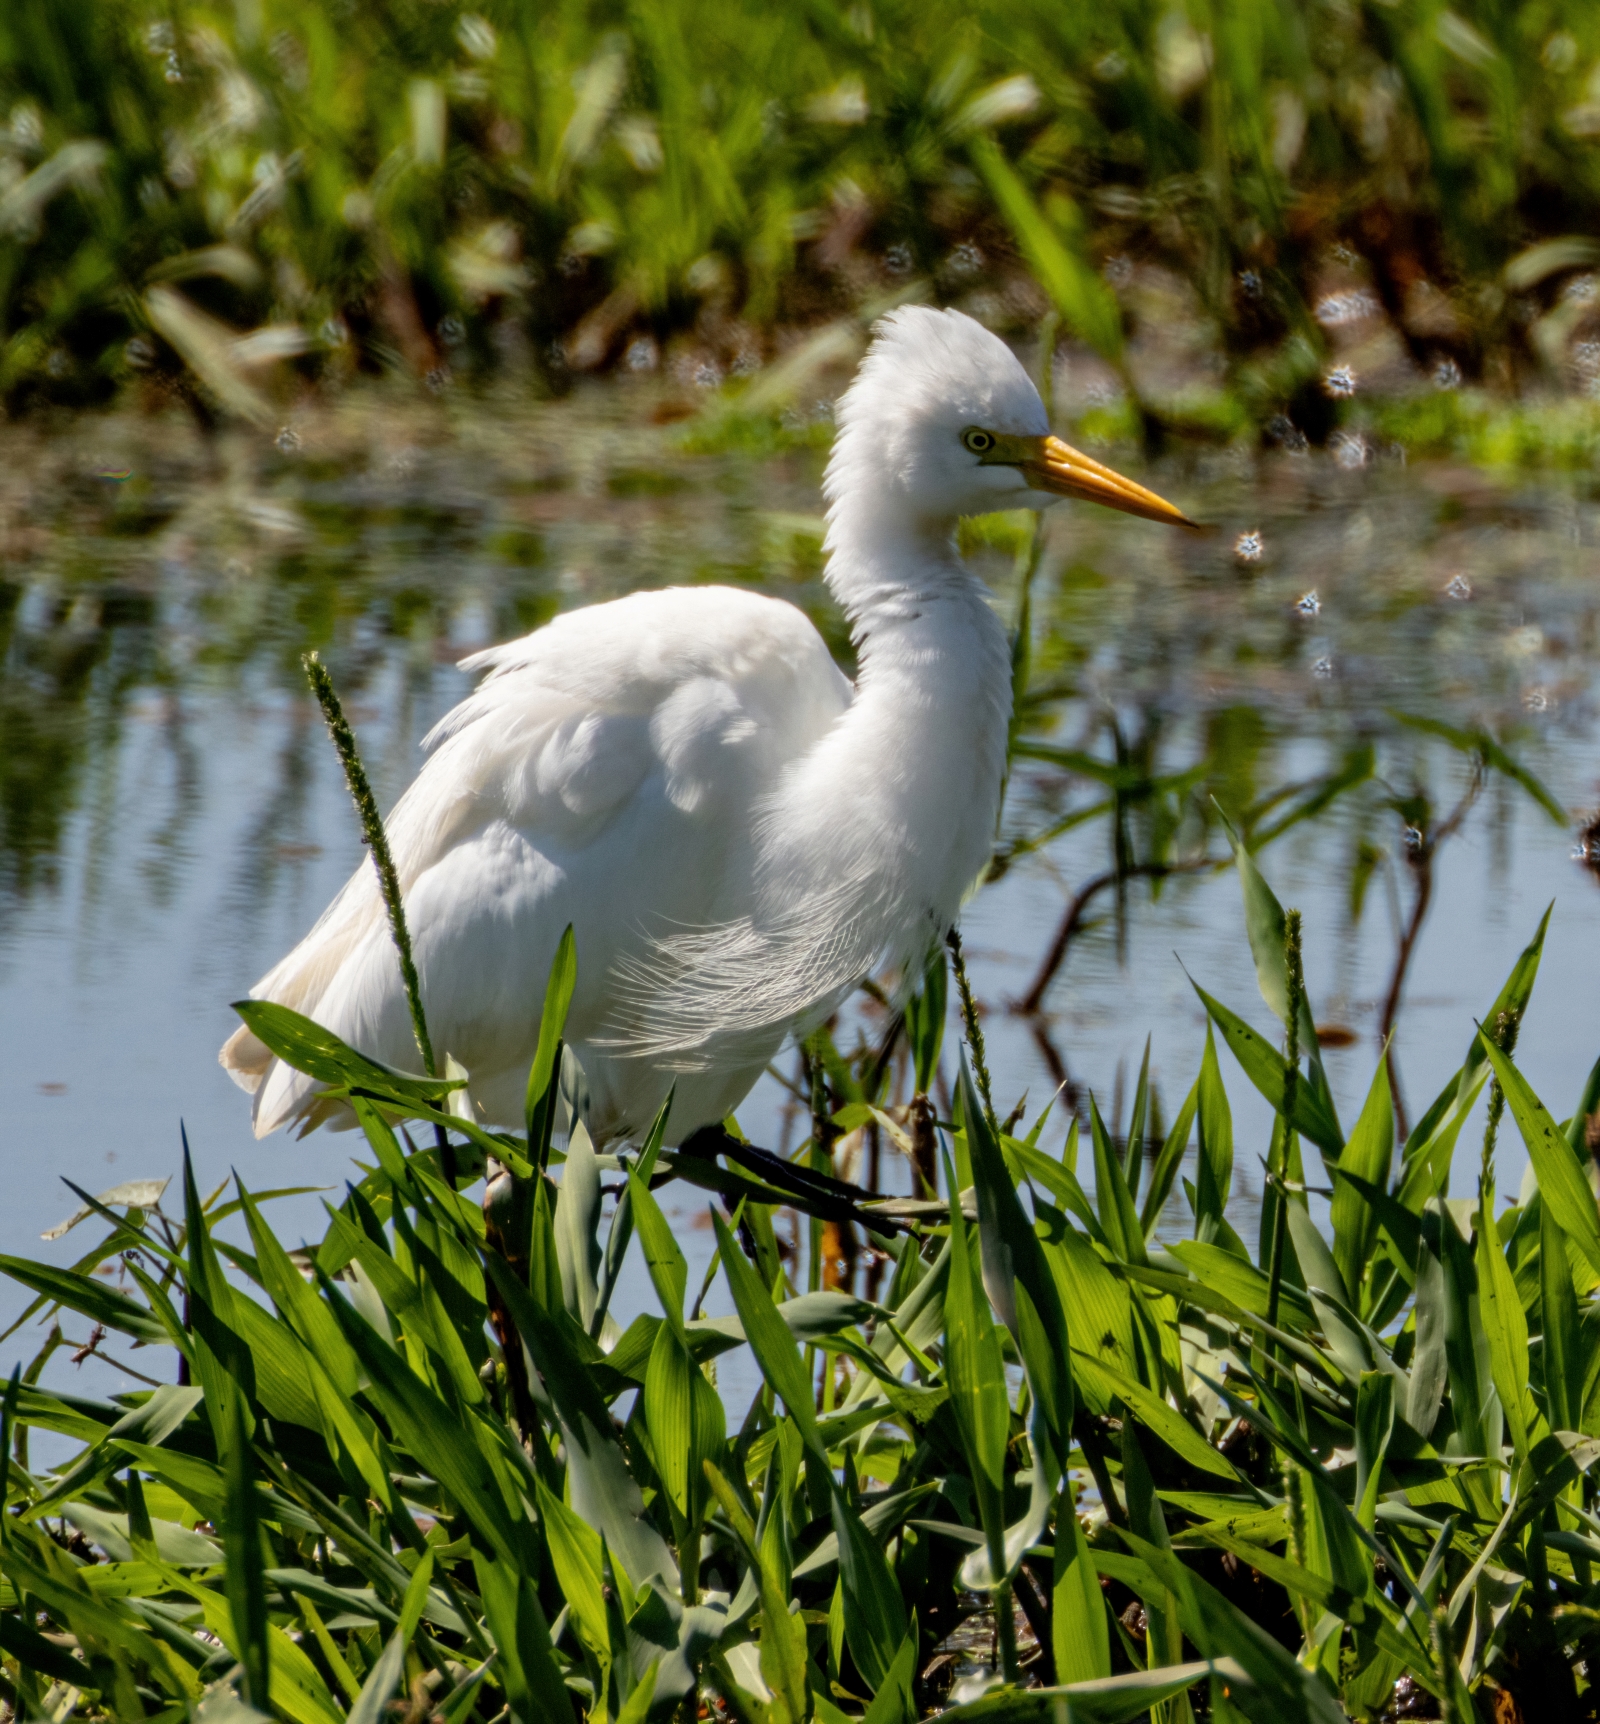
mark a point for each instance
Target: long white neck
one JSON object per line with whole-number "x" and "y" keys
{"x": 894, "y": 811}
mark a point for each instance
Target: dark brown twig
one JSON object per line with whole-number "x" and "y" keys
{"x": 1072, "y": 921}
{"x": 1420, "y": 861}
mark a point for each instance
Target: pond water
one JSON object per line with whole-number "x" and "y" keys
{"x": 172, "y": 818}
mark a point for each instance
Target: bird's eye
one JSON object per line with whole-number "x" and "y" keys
{"x": 979, "y": 442}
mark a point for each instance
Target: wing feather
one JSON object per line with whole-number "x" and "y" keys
{"x": 607, "y": 771}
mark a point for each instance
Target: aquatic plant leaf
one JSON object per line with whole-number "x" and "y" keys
{"x": 1375, "y": 1411}
{"x": 526, "y": 1666}
{"x": 575, "y": 1550}
{"x": 926, "y": 1011}
{"x": 87, "y": 1296}
{"x": 1558, "y": 1311}
{"x": 1155, "y": 1415}
{"x": 686, "y": 1420}
{"x": 317, "y": 1052}
{"x": 1562, "y": 1185}
{"x": 1014, "y": 1271}
{"x": 1429, "y": 1362}
{"x": 1426, "y": 1162}
{"x": 1366, "y": 1156}
{"x": 1107, "y": 1700}
{"x": 577, "y": 1223}
{"x": 669, "y": 1269}
{"x": 133, "y": 1194}
{"x": 1214, "y": 1168}
{"x": 978, "y": 1395}
{"x": 1279, "y": 1686}
{"x": 1265, "y": 1067}
{"x": 432, "y": 1432}
{"x": 1265, "y": 927}
{"x": 1080, "y": 1636}
{"x": 895, "y": 1702}
{"x": 1118, "y": 1215}
{"x": 978, "y": 1572}
{"x": 875, "y": 1614}
{"x": 1076, "y": 289}
{"x": 603, "y": 1490}
{"x": 769, "y": 1337}
{"x": 540, "y": 1106}
{"x": 305, "y": 1313}
{"x": 1164, "y": 1174}
{"x": 1506, "y": 1325}
{"x": 372, "y": 1703}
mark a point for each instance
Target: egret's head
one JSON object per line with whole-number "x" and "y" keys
{"x": 942, "y": 421}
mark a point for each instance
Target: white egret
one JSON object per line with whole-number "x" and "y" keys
{"x": 736, "y": 833}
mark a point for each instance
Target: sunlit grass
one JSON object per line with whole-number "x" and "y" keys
{"x": 220, "y": 201}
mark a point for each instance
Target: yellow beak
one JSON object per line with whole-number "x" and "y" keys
{"x": 1048, "y": 464}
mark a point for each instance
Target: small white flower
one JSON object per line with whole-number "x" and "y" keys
{"x": 1308, "y": 604}
{"x": 1340, "y": 382}
{"x": 1248, "y": 546}
{"x": 1459, "y": 587}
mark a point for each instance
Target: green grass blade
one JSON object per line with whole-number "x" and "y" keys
{"x": 1080, "y": 1636}
{"x": 1164, "y": 1174}
{"x": 244, "y": 1578}
{"x": 1562, "y": 1184}
{"x": 1114, "y": 1201}
{"x": 978, "y": 1394}
{"x": 1563, "y": 1359}
{"x": 1265, "y": 1068}
{"x": 539, "y": 1110}
{"x": 372, "y": 1703}
{"x": 1082, "y": 298}
{"x": 317, "y": 1052}
{"x": 669, "y": 1269}
{"x": 1155, "y": 1415}
{"x": 1506, "y": 1326}
{"x": 1367, "y": 1154}
{"x": 875, "y": 1615}
{"x": 1214, "y": 1169}
{"x": 769, "y": 1337}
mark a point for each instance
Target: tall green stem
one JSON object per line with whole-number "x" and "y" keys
{"x": 1005, "y": 1633}
{"x": 376, "y": 840}
{"x": 1296, "y": 992}
{"x": 1503, "y": 1034}
{"x": 974, "y": 1030}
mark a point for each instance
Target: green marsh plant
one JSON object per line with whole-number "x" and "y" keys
{"x": 418, "y": 1464}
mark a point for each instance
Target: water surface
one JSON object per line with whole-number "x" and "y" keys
{"x": 172, "y": 819}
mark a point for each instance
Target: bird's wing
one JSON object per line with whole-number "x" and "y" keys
{"x": 605, "y": 772}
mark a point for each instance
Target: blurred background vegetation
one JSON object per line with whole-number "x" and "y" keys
{"x": 1241, "y": 213}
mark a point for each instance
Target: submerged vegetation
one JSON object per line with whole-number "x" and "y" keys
{"x": 1242, "y": 214}
{"x": 1041, "y": 1464}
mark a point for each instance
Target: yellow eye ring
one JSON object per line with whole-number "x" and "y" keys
{"x": 978, "y": 442}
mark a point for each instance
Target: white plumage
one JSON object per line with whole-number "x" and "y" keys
{"x": 736, "y": 834}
